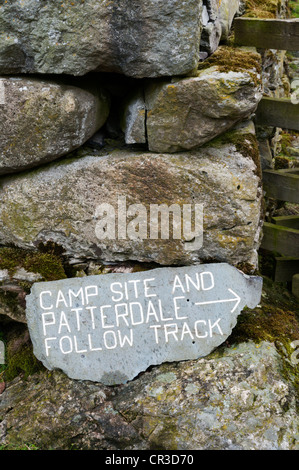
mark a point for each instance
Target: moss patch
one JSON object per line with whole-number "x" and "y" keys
{"x": 22, "y": 362}
{"x": 276, "y": 319}
{"x": 21, "y": 447}
{"x": 245, "y": 143}
{"x": 48, "y": 265}
{"x": 230, "y": 59}
{"x": 262, "y": 8}
{"x": 268, "y": 323}
{"x": 20, "y": 359}
{"x": 281, "y": 163}
{"x": 294, "y": 9}
{"x": 11, "y": 301}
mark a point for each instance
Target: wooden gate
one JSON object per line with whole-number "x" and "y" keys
{"x": 281, "y": 235}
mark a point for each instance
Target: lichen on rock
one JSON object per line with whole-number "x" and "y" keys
{"x": 212, "y": 176}
{"x": 42, "y": 120}
{"x": 184, "y": 113}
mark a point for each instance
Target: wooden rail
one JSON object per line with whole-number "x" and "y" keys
{"x": 267, "y": 33}
{"x": 281, "y": 240}
{"x": 278, "y": 112}
{"x": 281, "y": 237}
{"x": 282, "y": 184}
{"x": 291, "y": 221}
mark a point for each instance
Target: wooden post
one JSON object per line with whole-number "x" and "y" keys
{"x": 267, "y": 33}
{"x": 295, "y": 286}
{"x": 286, "y": 268}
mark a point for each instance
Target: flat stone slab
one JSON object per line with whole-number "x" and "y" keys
{"x": 109, "y": 328}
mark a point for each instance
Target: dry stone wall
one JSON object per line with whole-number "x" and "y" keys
{"x": 159, "y": 126}
{"x": 122, "y": 106}
{"x": 131, "y": 106}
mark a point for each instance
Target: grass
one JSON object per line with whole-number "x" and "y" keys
{"x": 294, "y": 9}
{"x": 269, "y": 8}
{"x": 21, "y": 447}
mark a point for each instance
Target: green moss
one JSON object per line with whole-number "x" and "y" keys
{"x": 268, "y": 323}
{"x": 19, "y": 447}
{"x": 281, "y": 162}
{"x": 229, "y": 59}
{"x": 275, "y": 319}
{"x": 167, "y": 438}
{"x": 294, "y": 9}
{"x": 286, "y": 141}
{"x": 262, "y": 8}
{"x": 10, "y": 300}
{"x": 48, "y": 265}
{"x": 21, "y": 362}
{"x": 245, "y": 143}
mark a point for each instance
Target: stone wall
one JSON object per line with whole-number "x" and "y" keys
{"x": 129, "y": 104}
{"x": 116, "y": 131}
{"x": 144, "y": 104}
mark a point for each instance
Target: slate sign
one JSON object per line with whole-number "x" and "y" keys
{"x": 109, "y": 328}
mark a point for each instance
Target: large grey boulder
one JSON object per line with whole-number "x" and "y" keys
{"x": 74, "y": 415}
{"x": 236, "y": 400}
{"x": 184, "y": 113}
{"x": 42, "y": 120}
{"x": 239, "y": 399}
{"x": 140, "y": 39}
{"x": 64, "y": 203}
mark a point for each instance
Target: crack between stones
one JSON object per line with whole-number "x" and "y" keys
{"x": 145, "y": 118}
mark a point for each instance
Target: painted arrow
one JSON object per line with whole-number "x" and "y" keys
{"x": 236, "y": 299}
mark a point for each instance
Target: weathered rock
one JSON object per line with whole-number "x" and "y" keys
{"x": 227, "y": 11}
{"x": 148, "y": 39}
{"x": 184, "y": 113}
{"x": 42, "y": 120}
{"x": 63, "y": 203}
{"x": 211, "y": 31}
{"x": 265, "y": 154}
{"x": 217, "y": 22}
{"x": 274, "y": 74}
{"x": 54, "y": 412}
{"x": 236, "y": 399}
{"x": 134, "y": 119}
